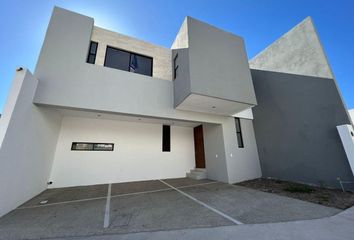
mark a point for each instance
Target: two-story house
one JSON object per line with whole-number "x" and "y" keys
{"x": 103, "y": 107}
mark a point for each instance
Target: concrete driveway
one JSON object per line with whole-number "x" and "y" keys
{"x": 157, "y": 205}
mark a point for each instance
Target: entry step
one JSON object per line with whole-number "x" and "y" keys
{"x": 197, "y": 174}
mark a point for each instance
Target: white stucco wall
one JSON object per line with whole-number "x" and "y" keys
{"x": 225, "y": 161}
{"x": 215, "y": 160}
{"x": 137, "y": 152}
{"x": 27, "y": 149}
{"x": 346, "y": 134}
{"x": 242, "y": 163}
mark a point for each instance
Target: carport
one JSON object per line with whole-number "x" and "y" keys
{"x": 149, "y": 206}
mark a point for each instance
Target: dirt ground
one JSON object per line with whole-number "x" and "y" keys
{"x": 327, "y": 197}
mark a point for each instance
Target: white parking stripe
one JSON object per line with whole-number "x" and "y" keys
{"x": 204, "y": 204}
{"x": 58, "y": 203}
{"x": 195, "y": 185}
{"x": 114, "y": 196}
{"x": 108, "y": 203}
{"x": 143, "y": 192}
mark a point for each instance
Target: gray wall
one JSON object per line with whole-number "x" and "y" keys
{"x": 182, "y": 83}
{"x": 27, "y": 150}
{"x": 295, "y": 125}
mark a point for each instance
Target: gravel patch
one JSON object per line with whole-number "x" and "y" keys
{"x": 324, "y": 196}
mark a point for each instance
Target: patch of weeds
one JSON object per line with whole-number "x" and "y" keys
{"x": 298, "y": 189}
{"x": 323, "y": 198}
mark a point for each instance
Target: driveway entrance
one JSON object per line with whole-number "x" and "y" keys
{"x": 149, "y": 206}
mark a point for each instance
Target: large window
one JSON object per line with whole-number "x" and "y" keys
{"x": 91, "y": 58}
{"x": 88, "y": 146}
{"x": 127, "y": 61}
{"x": 166, "y": 138}
{"x": 239, "y": 133}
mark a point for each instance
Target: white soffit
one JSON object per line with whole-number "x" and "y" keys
{"x": 246, "y": 114}
{"x": 128, "y": 118}
{"x": 206, "y": 104}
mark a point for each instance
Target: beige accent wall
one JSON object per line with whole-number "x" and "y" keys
{"x": 181, "y": 40}
{"x": 162, "y": 57}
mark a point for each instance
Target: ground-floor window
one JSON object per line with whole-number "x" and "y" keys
{"x": 239, "y": 133}
{"x": 166, "y": 138}
{"x": 88, "y": 146}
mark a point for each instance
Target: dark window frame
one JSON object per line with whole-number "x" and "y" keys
{"x": 239, "y": 133}
{"x": 175, "y": 66}
{"x": 93, "y": 147}
{"x": 92, "y": 54}
{"x": 166, "y": 138}
{"x": 130, "y": 56}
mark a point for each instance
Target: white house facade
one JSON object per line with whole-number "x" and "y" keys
{"x": 102, "y": 107}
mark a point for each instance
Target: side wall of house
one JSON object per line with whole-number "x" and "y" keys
{"x": 295, "y": 125}
{"x": 137, "y": 152}
{"x": 215, "y": 159}
{"x": 225, "y": 160}
{"x": 28, "y": 146}
{"x": 242, "y": 163}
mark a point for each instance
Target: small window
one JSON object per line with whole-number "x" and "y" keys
{"x": 239, "y": 133}
{"x": 86, "y": 146}
{"x": 175, "y": 67}
{"x": 91, "y": 58}
{"x": 127, "y": 61}
{"x": 166, "y": 138}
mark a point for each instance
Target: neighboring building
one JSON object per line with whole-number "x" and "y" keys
{"x": 104, "y": 107}
{"x": 351, "y": 113}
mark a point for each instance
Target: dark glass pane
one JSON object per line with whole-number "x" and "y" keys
{"x": 116, "y": 58}
{"x": 82, "y": 146}
{"x": 103, "y": 147}
{"x": 166, "y": 138}
{"x": 91, "y": 59}
{"x": 93, "y": 48}
{"x": 175, "y": 61}
{"x": 140, "y": 64}
{"x": 175, "y": 73}
{"x": 239, "y": 140}
{"x": 237, "y": 123}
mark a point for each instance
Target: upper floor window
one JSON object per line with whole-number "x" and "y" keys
{"x": 91, "y": 58}
{"x": 127, "y": 61}
{"x": 175, "y": 66}
{"x": 239, "y": 133}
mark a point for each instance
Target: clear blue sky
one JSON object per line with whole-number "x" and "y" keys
{"x": 260, "y": 22}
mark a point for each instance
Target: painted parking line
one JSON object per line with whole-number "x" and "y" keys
{"x": 64, "y": 202}
{"x": 108, "y": 207}
{"x": 118, "y": 195}
{"x": 196, "y": 185}
{"x": 204, "y": 204}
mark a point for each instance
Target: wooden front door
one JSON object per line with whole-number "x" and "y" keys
{"x": 199, "y": 147}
